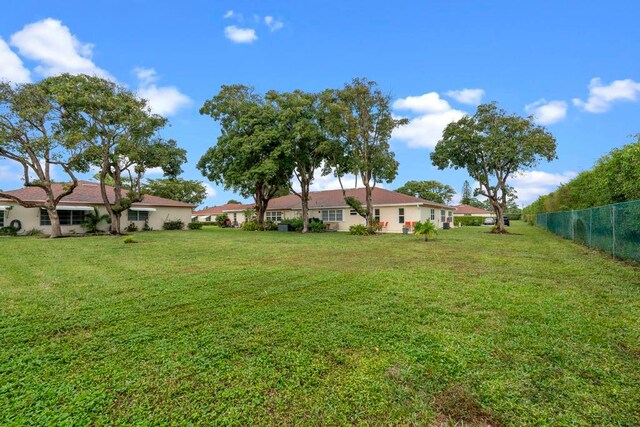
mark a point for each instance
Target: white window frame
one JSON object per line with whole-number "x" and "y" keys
{"x": 2, "y": 217}
{"x": 433, "y": 215}
{"x": 274, "y": 216}
{"x": 442, "y": 216}
{"x": 332, "y": 215}
{"x": 401, "y": 214}
{"x": 76, "y": 217}
{"x": 137, "y": 216}
{"x": 376, "y": 214}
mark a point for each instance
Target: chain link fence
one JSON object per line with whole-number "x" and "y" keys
{"x": 614, "y": 229}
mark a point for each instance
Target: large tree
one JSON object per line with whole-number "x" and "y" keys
{"x": 434, "y": 191}
{"x": 247, "y": 157}
{"x": 31, "y": 135}
{"x": 492, "y": 146}
{"x": 183, "y": 190}
{"x": 360, "y": 124}
{"x": 121, "y": 133}
{"x": 467, "y": 197}
{"x": 303, "y": 141}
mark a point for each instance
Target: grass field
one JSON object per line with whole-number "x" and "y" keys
{"x": 231, "y": 327}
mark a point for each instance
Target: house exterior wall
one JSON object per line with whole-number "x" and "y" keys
{"x": 30, "y": 219}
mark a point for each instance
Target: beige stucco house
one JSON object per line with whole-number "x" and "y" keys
{"x": 210, "y": 214}
{"x": 394, "y": 210}
{"x": 72, "y": 209}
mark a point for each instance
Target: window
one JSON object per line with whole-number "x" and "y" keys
{"x": 376, "y": 214}
{"x": 334, "y": 215}
{"x": 1, "y": 218}
{"x": 207, "y": 218}
{"x": 401, "y": 215}
{"x": 433, "y": 215}
{"x": 442, "y": 215}
{"x": 353, "y": 212}
{"x": 138, "y": 215}
{"x": 65, "y": 217}
{"x": 275, "y": 216}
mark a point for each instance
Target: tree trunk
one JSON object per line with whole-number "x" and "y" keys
{"x": 499, "y": 210}
{"x": 304, "y": 192}
{"x": 369, "y": 217}
{"x": 56, "y": 230}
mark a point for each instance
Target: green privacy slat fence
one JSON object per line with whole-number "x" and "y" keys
{"x": 614, "y": 229}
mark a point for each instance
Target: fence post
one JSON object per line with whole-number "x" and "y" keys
{"x": 573, "y": 225}
{"x": 590, "y": 227}
{"x": 613, "y": 230}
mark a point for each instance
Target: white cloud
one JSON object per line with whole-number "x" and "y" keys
{"x": 11, "y": 67}
{"x": 426, "y": 129}
{"x": 57, "y": 51}
{"x": 10, "y": 176}
{"x": 467, "y": 96}
{"x": 602, "y": 96}
{"x": 211, "y": 192}
{"x": 272, "y": 23}
{"x": 240, "y": 35}
{"x": 229, "y": 14}
{"x": 427, "y": 103}
{"x": 546, "y": 113}
{"x": 164, "y": 100}
{"x": 530, "y": 185}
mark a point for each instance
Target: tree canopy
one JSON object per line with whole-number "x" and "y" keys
{"x": 434, "y": 191}
{"x": 360, "y": 123}
{"x": 183, "y": 190}
{"x": 492, "y": 146}
{"x": 247, "y": 157}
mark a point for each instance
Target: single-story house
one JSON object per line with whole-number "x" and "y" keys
{"x": 468, "y": 210}
{"x": 72, "y": 209}
{"x": 210, "y": 214}
{"x": 394, "y": 210}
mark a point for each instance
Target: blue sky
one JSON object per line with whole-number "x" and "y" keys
{"x": 574, "y": 64}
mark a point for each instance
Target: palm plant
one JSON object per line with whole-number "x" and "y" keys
{"x": 426, "y": 229}
{"x": 93, "y": 219}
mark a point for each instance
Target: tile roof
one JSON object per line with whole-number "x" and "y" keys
{"x": 470, "y": 210}
{"x": 217, "y": 210}
{"x": 89, "y": 193}
{"x": 334, "y": 198}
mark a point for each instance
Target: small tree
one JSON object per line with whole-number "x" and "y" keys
{"x": 233, "y": 202}
{"x": 93, "y": 219}
{"x": 360, "y": 124}
{"x": 32, "y": 135}
{"x": 426, "y": 229}
{"x": 492, "y": 146}
{"x": 434, "y": 191}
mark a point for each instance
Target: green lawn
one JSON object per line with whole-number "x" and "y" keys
{"x": 244, "y": 328}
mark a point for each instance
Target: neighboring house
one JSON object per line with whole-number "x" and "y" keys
{"x": 72, "y": 209}
{"x": 468, "y": 210}
{"x": 210, "y": 214}
{"x": 389, "y": 207}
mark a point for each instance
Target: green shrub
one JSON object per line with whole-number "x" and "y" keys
{"x": 221, "y": 219}
{"x": 296, "y": 224}
{"x": 252, "y": 225}
{"x": 362, "y": 230}
{"x": 34, "y": 232}
{"x": 132, "y": 227}
{"x": 474, "y": 221}
{"x": 146, "y": 226}
{"x": 128, "y": 240}
{"x": 173, "y": 225}
{"x": 8, "y": 231}
{"x": 316, "y": 226}
{"x": 195, "y": 226}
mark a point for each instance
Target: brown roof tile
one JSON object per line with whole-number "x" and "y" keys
{"x": 470, "y": 210}
{"x": 89, "y": 193}
{"x": 217, "y": 210}
{"x": 334, "y": 198}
